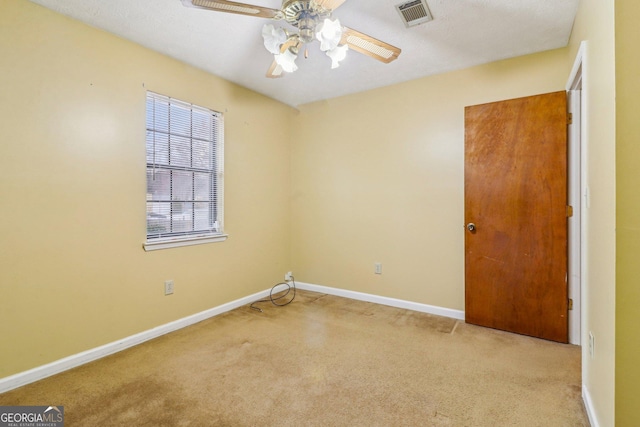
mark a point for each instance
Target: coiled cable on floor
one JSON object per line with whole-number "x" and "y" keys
{"x": 275, "y": 301}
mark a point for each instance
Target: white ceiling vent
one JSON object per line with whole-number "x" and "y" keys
{"x": 414, "y": 12}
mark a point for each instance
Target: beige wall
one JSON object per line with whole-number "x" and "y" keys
{"x": 72, "y": 157}
{"x": 628, "y": 214}
{"x": 595, "y": 25}
{"x": 378, "y": 177}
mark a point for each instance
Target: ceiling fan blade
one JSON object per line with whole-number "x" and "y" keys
{"x": 233, "y": 7}
{"x": 330, "y": 4}
{"x": 370, "y": 46}
{"x": 275, "y": 71}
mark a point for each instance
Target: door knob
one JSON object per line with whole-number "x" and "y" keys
{"x": 471, "y": 227}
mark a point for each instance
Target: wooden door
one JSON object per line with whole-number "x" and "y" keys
{"x": 515, "y": 195}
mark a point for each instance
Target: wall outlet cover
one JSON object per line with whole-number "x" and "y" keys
{"x": 378, "y": 268}
{"x": 168, "y": 287}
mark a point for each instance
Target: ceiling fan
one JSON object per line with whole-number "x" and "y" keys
{"x": 312, "y": 18}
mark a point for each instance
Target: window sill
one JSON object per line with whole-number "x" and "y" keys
{"x": 176, "y": 242}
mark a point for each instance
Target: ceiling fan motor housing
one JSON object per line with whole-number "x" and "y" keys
{"x": 304, "y": 14}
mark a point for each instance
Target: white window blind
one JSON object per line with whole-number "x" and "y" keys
{"x": 184, "y": 170}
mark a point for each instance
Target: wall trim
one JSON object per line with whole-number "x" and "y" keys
{"x": 588, "y": 404}
{"x": 23, "y": 378}
{"x": 393, "y": 302}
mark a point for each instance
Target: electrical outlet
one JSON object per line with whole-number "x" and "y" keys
{"x": 168, "y": 287}
{"x": 592, "y": 345}
{"x": 288, "y": 276}
{"x": 378, "y": 268}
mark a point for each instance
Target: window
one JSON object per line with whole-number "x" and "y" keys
{"x": 184, "y": 173}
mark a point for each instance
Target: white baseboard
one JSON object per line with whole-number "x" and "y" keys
{"x": 58, "y": 366}
{"x": 73, "y": 361}
{"x": 409, "y": 305}
{"x": 588, "y": 404}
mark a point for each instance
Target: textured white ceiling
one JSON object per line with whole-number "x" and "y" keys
{"x": 463, "y": 33}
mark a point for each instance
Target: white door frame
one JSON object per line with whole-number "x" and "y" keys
{"x": 577, "y": 195}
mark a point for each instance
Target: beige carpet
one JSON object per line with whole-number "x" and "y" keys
{"x": 323, "y": 361}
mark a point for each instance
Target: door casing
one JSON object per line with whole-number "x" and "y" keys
{"x": 578, "y": 197}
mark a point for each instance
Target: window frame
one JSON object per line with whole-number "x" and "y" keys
{"x": 215, "y": 216}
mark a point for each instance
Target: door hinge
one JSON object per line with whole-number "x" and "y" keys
{"x": 570, "y": 304}
{"x": 569, "y": 211}
{"x": 569, "y": 118}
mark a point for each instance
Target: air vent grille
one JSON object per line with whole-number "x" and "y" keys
{"x": 414, "y": 12}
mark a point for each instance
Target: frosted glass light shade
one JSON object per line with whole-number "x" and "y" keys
{"x": 287, "y": 61}
{"x": 273, "y": 38}
{"x": 337, "y": 55}
{"x": 329, "y": 33}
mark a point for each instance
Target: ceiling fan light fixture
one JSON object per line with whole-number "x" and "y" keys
{"x": 273, "y": 38}
{"x": 337, "y": 54}
{"x": 286, "y": 60}
{"x": 312, "y": 18}
{"x": 329, "y": 33}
